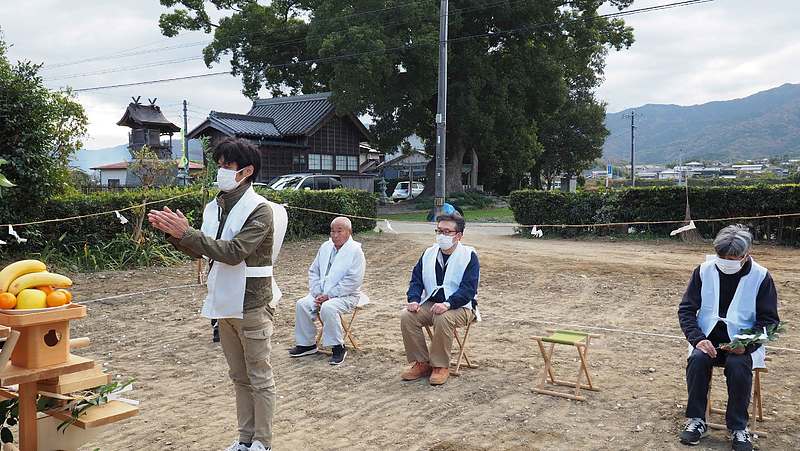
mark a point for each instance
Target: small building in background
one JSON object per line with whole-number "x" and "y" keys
{"x": 148, "y": 125}
{"x": 149, "y": 128}
{"x": 299, "y": 134}
{"x": 118, "y": 175}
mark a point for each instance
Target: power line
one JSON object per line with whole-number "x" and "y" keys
{"x": 122, "y": 54}
{"x": 126, "y": 68}
{"x": 405, "y": 47}
{"x": 259, "y": 46}
{"x": 126, "y": 53}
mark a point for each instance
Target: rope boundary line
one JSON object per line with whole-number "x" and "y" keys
{"x": 379, "y": 219}
{"x": 91, "y": 215}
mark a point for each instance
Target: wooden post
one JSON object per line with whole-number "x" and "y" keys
{"x": 28, "y": 436}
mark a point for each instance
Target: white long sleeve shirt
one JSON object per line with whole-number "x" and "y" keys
{"x": 349, "y": 285}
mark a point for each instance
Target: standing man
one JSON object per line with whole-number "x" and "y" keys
{"x": 334, "y": 287}
{"x": 727, "y": 293}
{"x": 241, "y": 236}
{"x": 442, "y": 294}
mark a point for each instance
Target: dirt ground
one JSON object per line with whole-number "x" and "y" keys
{"x": 187, "y": 400}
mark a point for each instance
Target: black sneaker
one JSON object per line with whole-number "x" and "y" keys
{"x": 741, "y": 441}
{"x": 338, "y": 355}
{"x": 695, "y": 430}
{"x": 300, "y": 351}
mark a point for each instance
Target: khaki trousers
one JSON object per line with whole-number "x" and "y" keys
{"x": 246, "y": 344}
{"x": 411, "y": 325}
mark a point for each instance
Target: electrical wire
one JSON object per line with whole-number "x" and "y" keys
{"x": 400, "y": 48}
{"x": 251, "y": 47}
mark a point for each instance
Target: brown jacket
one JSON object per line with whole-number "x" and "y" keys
{"x": 253, "y": 245}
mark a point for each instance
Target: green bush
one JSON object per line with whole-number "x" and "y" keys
{"x": 664, "y": 204}
{"x": 473, "y": 200}
{"x": 101, "y": 242}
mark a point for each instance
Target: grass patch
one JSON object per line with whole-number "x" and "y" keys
{"x": 481, "y": 215}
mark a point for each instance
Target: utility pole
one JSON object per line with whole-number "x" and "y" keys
{"x": 185, "y": 159}
{"x": 633, "y": 146}
{"x": 441, "y": 113}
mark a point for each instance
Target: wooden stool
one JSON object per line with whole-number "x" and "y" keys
{"x": 347, "y": 328}
{"x": 580, "y": 340}
{"x": 756, "y": 401}
{"x": 462, "y": 349}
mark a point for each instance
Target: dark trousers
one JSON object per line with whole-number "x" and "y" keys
{"x": 739, "y": 377}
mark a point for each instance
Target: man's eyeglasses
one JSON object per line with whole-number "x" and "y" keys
{"x": 445, "y": 232}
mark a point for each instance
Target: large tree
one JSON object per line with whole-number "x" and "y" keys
{"x": 513, "y": 65}
{"x": 39, "y": 130}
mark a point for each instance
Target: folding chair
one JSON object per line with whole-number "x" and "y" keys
{"x": 347, "y": 327}
{"x": 462, "y": 348}
{"x": 580, "y": 340}
{"x": 756, "y": 401}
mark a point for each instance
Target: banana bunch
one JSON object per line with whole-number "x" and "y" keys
{"x": 26, "y": 284}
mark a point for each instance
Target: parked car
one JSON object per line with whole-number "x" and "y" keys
{"x": 306, "y": 181}
{"x": 401, "y": 190}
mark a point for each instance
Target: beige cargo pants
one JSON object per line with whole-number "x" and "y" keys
{"x": 246, "y": 344}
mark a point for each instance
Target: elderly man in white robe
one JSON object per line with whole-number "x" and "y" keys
{"x": 334, "y": 285}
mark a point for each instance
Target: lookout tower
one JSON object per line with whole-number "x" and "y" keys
{"x": 148, "y": 125}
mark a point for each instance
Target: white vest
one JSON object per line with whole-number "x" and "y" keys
{"x": 349, "y": 254}
{"x": 742, "y": 311}
{"x": 453, "y": 272}
{"x": 226, "y": 283}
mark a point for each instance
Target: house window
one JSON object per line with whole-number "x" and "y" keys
{"x": 299, "y": 161}
{"x": 346, "y": 163}
{"x": 320, "y": 162}
{"x": 113, "y": 183}
{"x": 314, "y": 162}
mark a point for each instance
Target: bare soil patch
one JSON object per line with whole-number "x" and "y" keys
{"x": 187, "y": 399}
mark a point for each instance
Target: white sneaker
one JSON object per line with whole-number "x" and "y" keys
{"x": 258, "y": 446}
{"x": 236, "y": 446}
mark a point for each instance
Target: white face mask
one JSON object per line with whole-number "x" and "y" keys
{"x": 445, "y": 242}
{"x": 226, "y": 179}
{"x": 729, "y": 266}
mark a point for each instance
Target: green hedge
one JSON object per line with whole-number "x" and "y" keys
{"x": 664, "y": 203}
{"x": 73, "y": 235}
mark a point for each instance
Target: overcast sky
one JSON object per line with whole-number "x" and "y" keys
{"x": 715, "y": 51}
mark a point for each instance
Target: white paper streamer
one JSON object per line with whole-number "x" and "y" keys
{"x": 536, "y": 232}
{"x": 13, "y": 233}
{"x": 685, "y": 228}
{"x": 122, "y": 219}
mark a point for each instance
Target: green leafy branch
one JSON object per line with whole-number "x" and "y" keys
{"x": 89, "y": 399}
{"x": 746, "y": 337}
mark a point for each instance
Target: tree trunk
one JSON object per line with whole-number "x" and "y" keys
{"x": 536, "y": 176}
{"x": 453, "y": 167}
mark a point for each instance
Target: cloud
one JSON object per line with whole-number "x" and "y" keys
{"x": 714, "y": 51}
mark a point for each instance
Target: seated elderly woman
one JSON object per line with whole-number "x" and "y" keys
{"x": 727, "y": 293}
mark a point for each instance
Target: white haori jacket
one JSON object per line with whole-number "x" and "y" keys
{"x": 453, "y": 273}
{"x": 226, "y": 283}
{"x": 742, "y": 311}
{"x": 346, "y": 274}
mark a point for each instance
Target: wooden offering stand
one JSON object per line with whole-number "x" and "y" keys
{"x": 41, "y": 361}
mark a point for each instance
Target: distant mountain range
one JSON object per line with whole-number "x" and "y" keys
{"x": 763, "y": 125}
{"x": 90, "y": 158}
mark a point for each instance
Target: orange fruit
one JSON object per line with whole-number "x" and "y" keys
{"x": 67, "y": 293}
{"x": 56, "y": 299}
{"x": 8, "y": 300}
{"x": 46, "y": 288}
